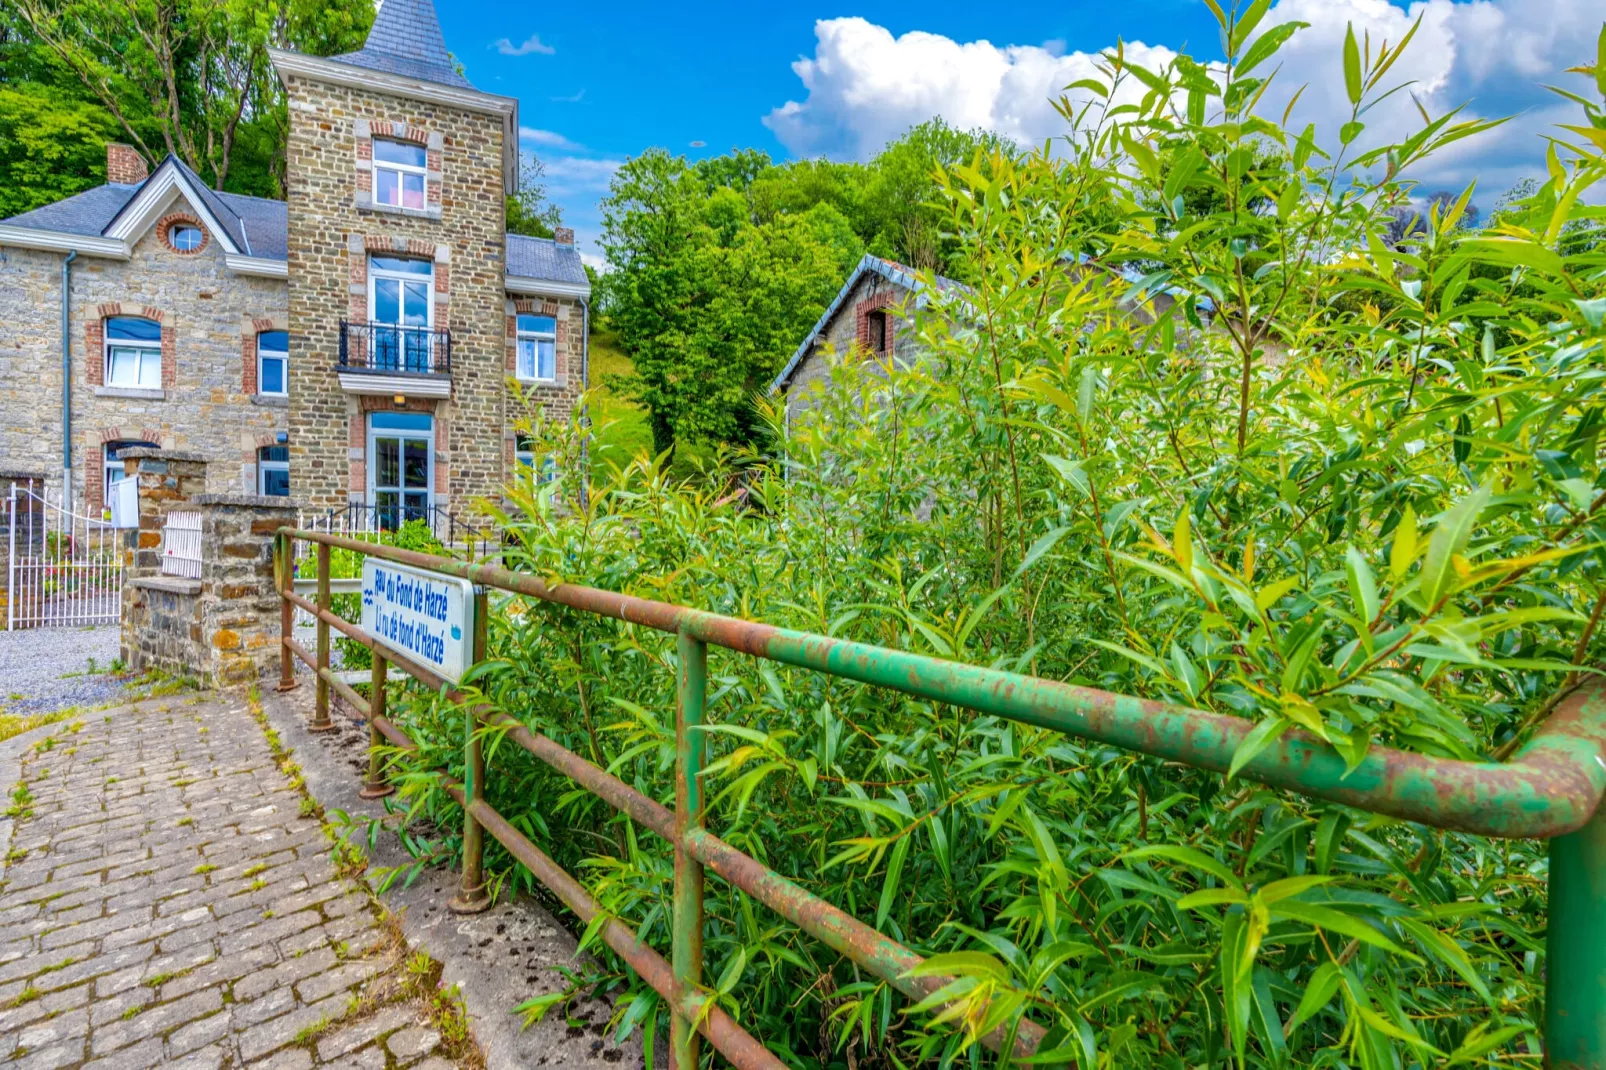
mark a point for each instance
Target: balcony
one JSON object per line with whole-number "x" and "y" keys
{"x": 387, "y": 359}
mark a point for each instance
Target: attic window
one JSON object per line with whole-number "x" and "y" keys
{"x": 186, "y": 238}
{"x": 399, "y": 173}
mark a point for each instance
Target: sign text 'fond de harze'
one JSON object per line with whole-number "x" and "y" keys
{"x": 424, "y": 615}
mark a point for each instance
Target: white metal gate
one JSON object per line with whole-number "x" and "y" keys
{"x": 62, "y": 569}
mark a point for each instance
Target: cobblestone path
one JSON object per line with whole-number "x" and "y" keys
{"x": 165, "y": 903}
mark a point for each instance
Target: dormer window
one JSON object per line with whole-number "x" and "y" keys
{"x": 399, "y": 173}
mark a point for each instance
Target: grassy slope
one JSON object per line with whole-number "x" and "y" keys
{"x": 619, "y": 424}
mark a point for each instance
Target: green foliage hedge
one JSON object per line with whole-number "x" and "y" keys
{"x": 1196, "y": 431}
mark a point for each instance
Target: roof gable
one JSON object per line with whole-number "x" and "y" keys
{"x": 890, "y": 270}
{"x": 142, "y": 210}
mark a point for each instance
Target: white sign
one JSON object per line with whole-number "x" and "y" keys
{"x": 424, "y": 615}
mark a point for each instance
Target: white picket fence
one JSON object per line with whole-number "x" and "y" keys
{"x": 63, "y": 569}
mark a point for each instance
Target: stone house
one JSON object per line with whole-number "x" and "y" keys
{"x": 871, "y": 313}
{"x": 353, "y": 345}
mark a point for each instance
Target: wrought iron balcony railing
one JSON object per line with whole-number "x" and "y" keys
{"x": 395, "y": 349}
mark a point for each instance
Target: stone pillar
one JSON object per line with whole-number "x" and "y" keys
{"x": 168, "y": 480}
{"x": 240, "y": 625}
{"x": 222, "y": 629}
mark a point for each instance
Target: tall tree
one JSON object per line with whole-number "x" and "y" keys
{"x": 705, "y": 300}
{"x": 191, "y": 77}
{"x": 528, "y": 211}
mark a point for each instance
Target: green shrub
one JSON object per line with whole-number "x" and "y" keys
{"x": 1354, "y": 488}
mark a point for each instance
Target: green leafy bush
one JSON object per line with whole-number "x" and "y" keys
{"x": 1196, "y": 432}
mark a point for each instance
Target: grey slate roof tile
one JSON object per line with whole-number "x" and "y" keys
{"x": 266, "y": 224}
{"x": 82, "y": 213}
{"x": 406, "y": 40}
{"x": 543, "y": 258}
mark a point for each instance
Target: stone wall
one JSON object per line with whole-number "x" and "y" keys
{"x": 223, "y": 628}
{"x": 331, "y": 223}
{"x": 204, "y": 403}
{"x": 557, "y": 401}
{"x": 240, "y": 625}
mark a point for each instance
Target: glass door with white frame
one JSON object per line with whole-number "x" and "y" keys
{"x": 401, "y": 467}
{"x": 401, "y": 307}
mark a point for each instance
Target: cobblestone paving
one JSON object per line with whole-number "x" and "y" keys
{"x": 166, "y": 904}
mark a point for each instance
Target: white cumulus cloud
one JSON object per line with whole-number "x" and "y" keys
{"x": 531, "y": 45}
{"x": 864, "y": 86}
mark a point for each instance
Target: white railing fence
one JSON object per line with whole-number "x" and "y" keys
{"x": 62, "y": 569}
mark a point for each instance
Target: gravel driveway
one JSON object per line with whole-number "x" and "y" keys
{"x": 45, "y": 669}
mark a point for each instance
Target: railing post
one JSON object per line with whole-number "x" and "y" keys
{"x": 471, "y": 897}
{"x": 284, "y": 548}
{"x": 691, "y": 690}
{"x": 320, "y": 709}
{"x": 375, "y": 787}
{"x": 1575, "y": 950}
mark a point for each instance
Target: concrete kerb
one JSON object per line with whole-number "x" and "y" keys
{"x": 500, "y": 958}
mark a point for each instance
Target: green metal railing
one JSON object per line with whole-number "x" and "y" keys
{"x": 1550, "y": 790}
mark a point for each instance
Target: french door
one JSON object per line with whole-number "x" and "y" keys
{"x": 401, "y": 467}
{"x": 401, "y": 307}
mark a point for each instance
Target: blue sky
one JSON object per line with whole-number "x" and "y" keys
{"x": 599, "y": 84}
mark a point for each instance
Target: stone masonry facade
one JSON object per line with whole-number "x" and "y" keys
{"x": 212, "y": 272}
{"x": 848, "y": 332}
{"x": 205, "y": 402}
{"x": 335, "y": 228}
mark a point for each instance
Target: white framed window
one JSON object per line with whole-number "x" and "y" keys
{"x": 273, "y": 363}
{"x": 537, "y": 349}
{"x": 113, "y": 467}
{"x": 185, "y": 238}
{"x": 133, "y": 352}
{"x": 401, "y": 306}
{"x": 273, "y": 471}
{"x": 399, "y": 178}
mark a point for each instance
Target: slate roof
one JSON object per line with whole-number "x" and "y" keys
{"x": 543, "y": 258}
{"x": 406, "y": 40}
{"x": 85, "y": 213}
{"x": 265, "y": 223}
{"x": 257, "y": 226}
{"x": 890, "y": 270}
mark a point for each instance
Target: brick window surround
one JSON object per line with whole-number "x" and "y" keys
{"x": 95, "y": 341}
{"x": 560, "y": 313}
{"x": 359, "y": 248}
{"x": 357, "y": 441}
{"x": 882, "y": 301}
{"x": 94, "y": 458}
{"x": 364, "y": 131}
{"x": 250, "y": 327}
{"x": 173, "y": 219}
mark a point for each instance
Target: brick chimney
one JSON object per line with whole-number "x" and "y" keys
{"x": 563, "y": 236}
{"x": 124, "y": 165}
